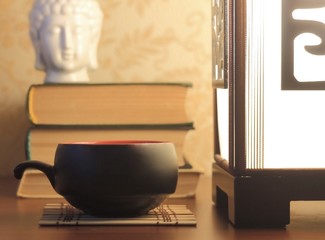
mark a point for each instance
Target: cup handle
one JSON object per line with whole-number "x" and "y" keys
{"x": 47, "y": 169}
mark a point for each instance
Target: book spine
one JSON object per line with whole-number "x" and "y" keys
{"x": 29, "y": 99}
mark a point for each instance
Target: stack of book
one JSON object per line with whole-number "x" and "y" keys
{"x": 100, "y": 112}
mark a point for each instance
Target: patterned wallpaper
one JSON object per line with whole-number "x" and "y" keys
{"x": 142, "y": 41}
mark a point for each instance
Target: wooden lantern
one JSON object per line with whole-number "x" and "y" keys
{"x": 269, "y": 82}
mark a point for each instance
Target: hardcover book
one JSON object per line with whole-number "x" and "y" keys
{"x": 109, "y": 103}
{"x": 41, "y": 143}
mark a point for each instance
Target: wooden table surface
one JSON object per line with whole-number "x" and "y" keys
{"x": 19, "y": 221}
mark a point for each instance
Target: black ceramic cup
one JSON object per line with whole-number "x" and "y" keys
{"x": 116, "y": 178}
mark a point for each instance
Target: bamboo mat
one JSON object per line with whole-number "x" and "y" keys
{"x": 164, "y": 215}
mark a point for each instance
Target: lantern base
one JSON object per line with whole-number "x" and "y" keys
{"x": 263, "y": 200}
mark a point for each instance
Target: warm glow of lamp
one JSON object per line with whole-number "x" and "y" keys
{"x": 284, "y": 128}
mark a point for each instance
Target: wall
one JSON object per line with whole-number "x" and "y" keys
{"x": 142, "y": 41}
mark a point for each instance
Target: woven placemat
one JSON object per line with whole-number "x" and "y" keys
{"x": 165, "y": 215}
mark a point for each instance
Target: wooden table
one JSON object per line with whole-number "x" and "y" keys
{"x": 19, "y": 221}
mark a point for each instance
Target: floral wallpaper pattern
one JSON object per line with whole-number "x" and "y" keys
{"x": 142, "y": 41}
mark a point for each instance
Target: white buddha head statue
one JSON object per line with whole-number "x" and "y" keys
{"x": 65, "y": 35}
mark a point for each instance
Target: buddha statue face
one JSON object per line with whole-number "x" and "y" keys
{"x": 65, "y": 35}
